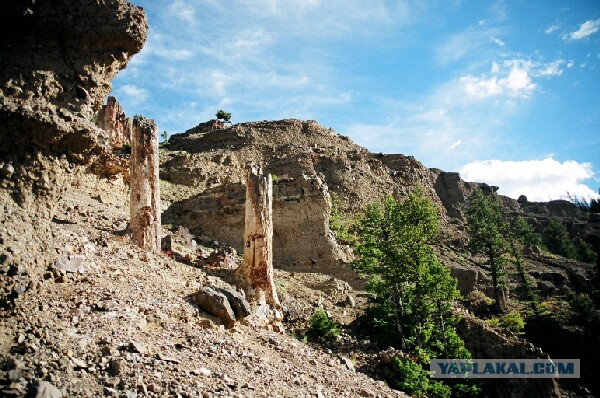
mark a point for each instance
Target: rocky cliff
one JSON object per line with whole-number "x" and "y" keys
{"x": 55, "y": 71}
{"x": 203, "y": 172}
{"x": 308, "y": 162}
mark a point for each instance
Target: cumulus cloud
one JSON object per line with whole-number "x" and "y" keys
{"x": 552, "y": 68}
{"x": 539, "y": 180}
{"x": 586, "y": 29}
{"x": 513, "y": 78}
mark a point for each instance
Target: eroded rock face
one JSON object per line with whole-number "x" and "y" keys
{"x": 308, "y": 162}
{"x": 483, "y": 342}
{"x": 56, "y": 63}
{"x": 112, "y": 119}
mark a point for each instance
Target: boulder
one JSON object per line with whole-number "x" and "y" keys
{"x": 71, "y": 264}
{"x": 467, "y": 279}
{"x": 217, "y": 304}
{"x": 241, "y": 307}
{"x": 43, "y": 389}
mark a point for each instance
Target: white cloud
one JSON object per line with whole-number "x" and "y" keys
{"x": 552, "y": 29}
{"x": 512, "y": 78}
{"x": 183, "y": 11}
{"x": 539, "y": 180}
{"x": 454, "y": 145}
{"x": 250, "y": 42}
{"x": 133, "y": 94}
{"x": 586, "y": 29}
{"x": 498, "y": 42}
{"x": 460, "y": 45}
{"x": 552, "y": 68}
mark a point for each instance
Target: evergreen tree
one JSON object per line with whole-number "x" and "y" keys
{"x": 222, "y": 115}
{"x": 488, "y": 228}
{"x": 557, "y": 240}
{"x": 522, "y": 233}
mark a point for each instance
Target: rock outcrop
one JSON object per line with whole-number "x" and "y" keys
{"x": 483, "y": 342}
{"x": 112, "y": 119}
{"x": 205, "y": 174}
{"x": 307, "y": 162}
{"x": 56, "y": 63}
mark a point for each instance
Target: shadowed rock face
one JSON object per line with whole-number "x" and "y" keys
{"x": 57, "y": 59}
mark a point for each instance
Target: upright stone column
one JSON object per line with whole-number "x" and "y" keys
{"x": 145, "y": 188}
{"x": 257, "y": 268}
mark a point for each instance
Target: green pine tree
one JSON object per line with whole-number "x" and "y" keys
{"x": 487, "y": 227}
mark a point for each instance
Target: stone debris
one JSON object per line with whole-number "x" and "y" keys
{"x": 73, "y": 264}
{"x": 43, "y": 389}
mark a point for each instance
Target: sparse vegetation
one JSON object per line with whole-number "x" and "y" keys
{"x": 223, "y": 116}
{"x": 322, "y": 328}
{"x": 589, "y": 205}
{"x": 340, "y": 222}
{"x": 165, "y": 141}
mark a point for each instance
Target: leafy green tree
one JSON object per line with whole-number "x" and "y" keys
{"x": 557, "y": 240}
{"x": 224, "y": 116}
{"x": 415, "y": 292}
{"x": 165, "y": 136}
{"x": 487, "y": 227}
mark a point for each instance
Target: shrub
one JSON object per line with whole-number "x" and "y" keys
{"x": 513, "y": 322}
{"x": 222, "y": 115}
{"x": 478, "y": 302}
{"x": 322, "y": 328}
{"x": 412, "y": 378}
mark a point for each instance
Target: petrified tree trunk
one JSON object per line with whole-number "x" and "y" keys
{"x": 145, "y": 191}
{"x": 257, "y": 268}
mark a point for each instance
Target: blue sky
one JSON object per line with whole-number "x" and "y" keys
{"x": 506, "y": 92}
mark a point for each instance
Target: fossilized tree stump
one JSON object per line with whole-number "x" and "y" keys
{"x": 144, "y": 187}
{"x": 256, "y": 270}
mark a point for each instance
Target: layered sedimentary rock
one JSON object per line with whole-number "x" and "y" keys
{"x": 56, "y": 63}
{"x": 307, "y": 161}
{"x": 310, "y": 164}
{"x": 301, "y": 209}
